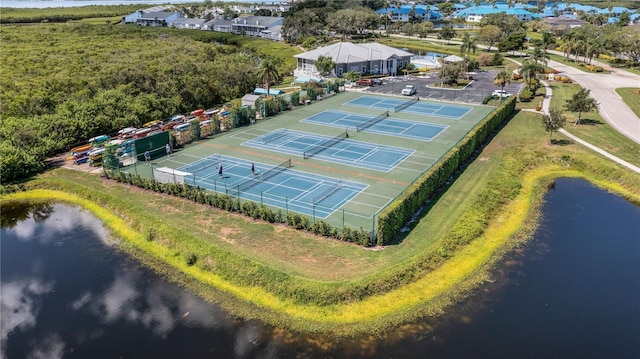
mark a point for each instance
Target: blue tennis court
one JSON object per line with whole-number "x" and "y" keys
{"x": 277, "y": 186}
{"x": 339, "y": 149}
{"x": 421, "y": 107}
{"x": 385, "y": 125}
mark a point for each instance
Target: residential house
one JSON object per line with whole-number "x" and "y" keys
{"x": 476, "y": 13}
{"x": 219, "y": 25}
{"x": 133, "y": 17}
{"x": 194, "y": 24}
{"x": 160, "y": 18}
{"x": 258, "y": 26}
{"x": 423, "y": 12}
{"x": 368, "y": 58}
{"x": 561, "y": 24}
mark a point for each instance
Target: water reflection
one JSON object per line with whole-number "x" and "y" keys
{"x": 67, "y": 293}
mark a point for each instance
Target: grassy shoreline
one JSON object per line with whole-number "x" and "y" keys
{"x": 520, "y": 148}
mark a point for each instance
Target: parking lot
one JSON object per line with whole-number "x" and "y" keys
{"x": 481, "y": 87}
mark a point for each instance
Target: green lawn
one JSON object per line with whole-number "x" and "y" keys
{"x": 594, "y": 129}
{"x": 574, "y": 64}
{"x": 536, "y": 101}
{"x": 631, "y": 96}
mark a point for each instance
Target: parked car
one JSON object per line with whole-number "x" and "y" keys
{"x": 364, "y": 82}
{"x": 501, "y": 93}
{"x": 377, "y": 81}
{"x": 409, "y": 90}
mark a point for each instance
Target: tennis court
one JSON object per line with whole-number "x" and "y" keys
{"x": 381, "y": 124}
{"x": 410, "y": 105}
{"x": 278, "y": 186}
{"x": 345, "y": 181}
{"x": 337, "y": 149}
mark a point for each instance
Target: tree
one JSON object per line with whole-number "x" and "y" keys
{"x": 581, "y": 102}
{"x": 629, "y": 43}
{"x": 352, "y": 21}
{"x": 351, "y": 75}
{"x": 446, "y": 8}
{"x": 624, "y": 19}
{"x": 449, "y": 72}
{"x": 301, "y": 24}
{"x": 490, "y": 35}
{"x": 528, "y": 70}
{"x": 539, "y": 56}
{"x": 468, "y": 45}
{"x": 268, "y": 71}
{"x": 502, "y": 78}
{"x": 325, "y": 64}
{"x": 513, "y": 42}
{"x": 553, "y": 121}
{"x": 413, "y": 18}
{"x": 509, "y": 24}
{"x": 447, "y": 33}
{"x": 548, "y": 40}
{"x": 423, "y": 28}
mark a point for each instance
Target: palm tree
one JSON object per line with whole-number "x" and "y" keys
{"x": 539, "y": 56}
{"x": 528, "y": 70}
{"x": 468, "y": 45}
{"x": 268, "y": 71}
{"x": 502, "y": 78}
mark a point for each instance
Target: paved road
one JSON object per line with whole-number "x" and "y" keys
{"x": 545, "y": 108}
{"x": 602, "y": 87}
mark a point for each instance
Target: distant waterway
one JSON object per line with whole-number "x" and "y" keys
{"x": 572, "y": 292}
{"x": 40, "y": 4}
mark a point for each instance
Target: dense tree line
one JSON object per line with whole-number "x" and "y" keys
{"x": 18, "y": 15}
{"x": 314, "y": 18}
{"x": 63, "y": 84}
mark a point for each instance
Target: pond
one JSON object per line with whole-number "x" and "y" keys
{"x": 67, "y": 292}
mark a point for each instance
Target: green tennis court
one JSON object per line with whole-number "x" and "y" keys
{"x": 344, "y": 181}
{"x": 278, "y": 186}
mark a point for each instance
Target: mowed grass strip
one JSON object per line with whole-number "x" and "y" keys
{"x": 631, "y": 97}
{"x": 593, "y": 128}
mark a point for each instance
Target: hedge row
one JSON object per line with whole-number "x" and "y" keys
{"x": 399, "y": 212}
{"x": 248, "y": 208}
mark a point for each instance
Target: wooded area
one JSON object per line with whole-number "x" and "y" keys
{"x": 64, "y": 83}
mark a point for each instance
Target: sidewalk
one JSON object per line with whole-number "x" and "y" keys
{"x": 546, "y": 102}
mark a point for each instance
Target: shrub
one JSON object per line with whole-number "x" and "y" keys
{"x": 191, "y": 259}
{"x": 397, "y": 213}
{"x": 525, "y": 96}
{"x": 487, "y": 99}
{"x": 498, "y": 59}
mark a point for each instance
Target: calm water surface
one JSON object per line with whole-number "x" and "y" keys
{"x": 574, "y": 292}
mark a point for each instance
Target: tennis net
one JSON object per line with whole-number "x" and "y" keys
{"x": 327, "y": 193}
{"x": 372, "y": 121}
{"x": 324, "y": 145}
{"x": 406, "y": 104}
{"x": 264, "y": 176}
{"x": 273, "y": 136}
{"x": 206, "y": 164}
